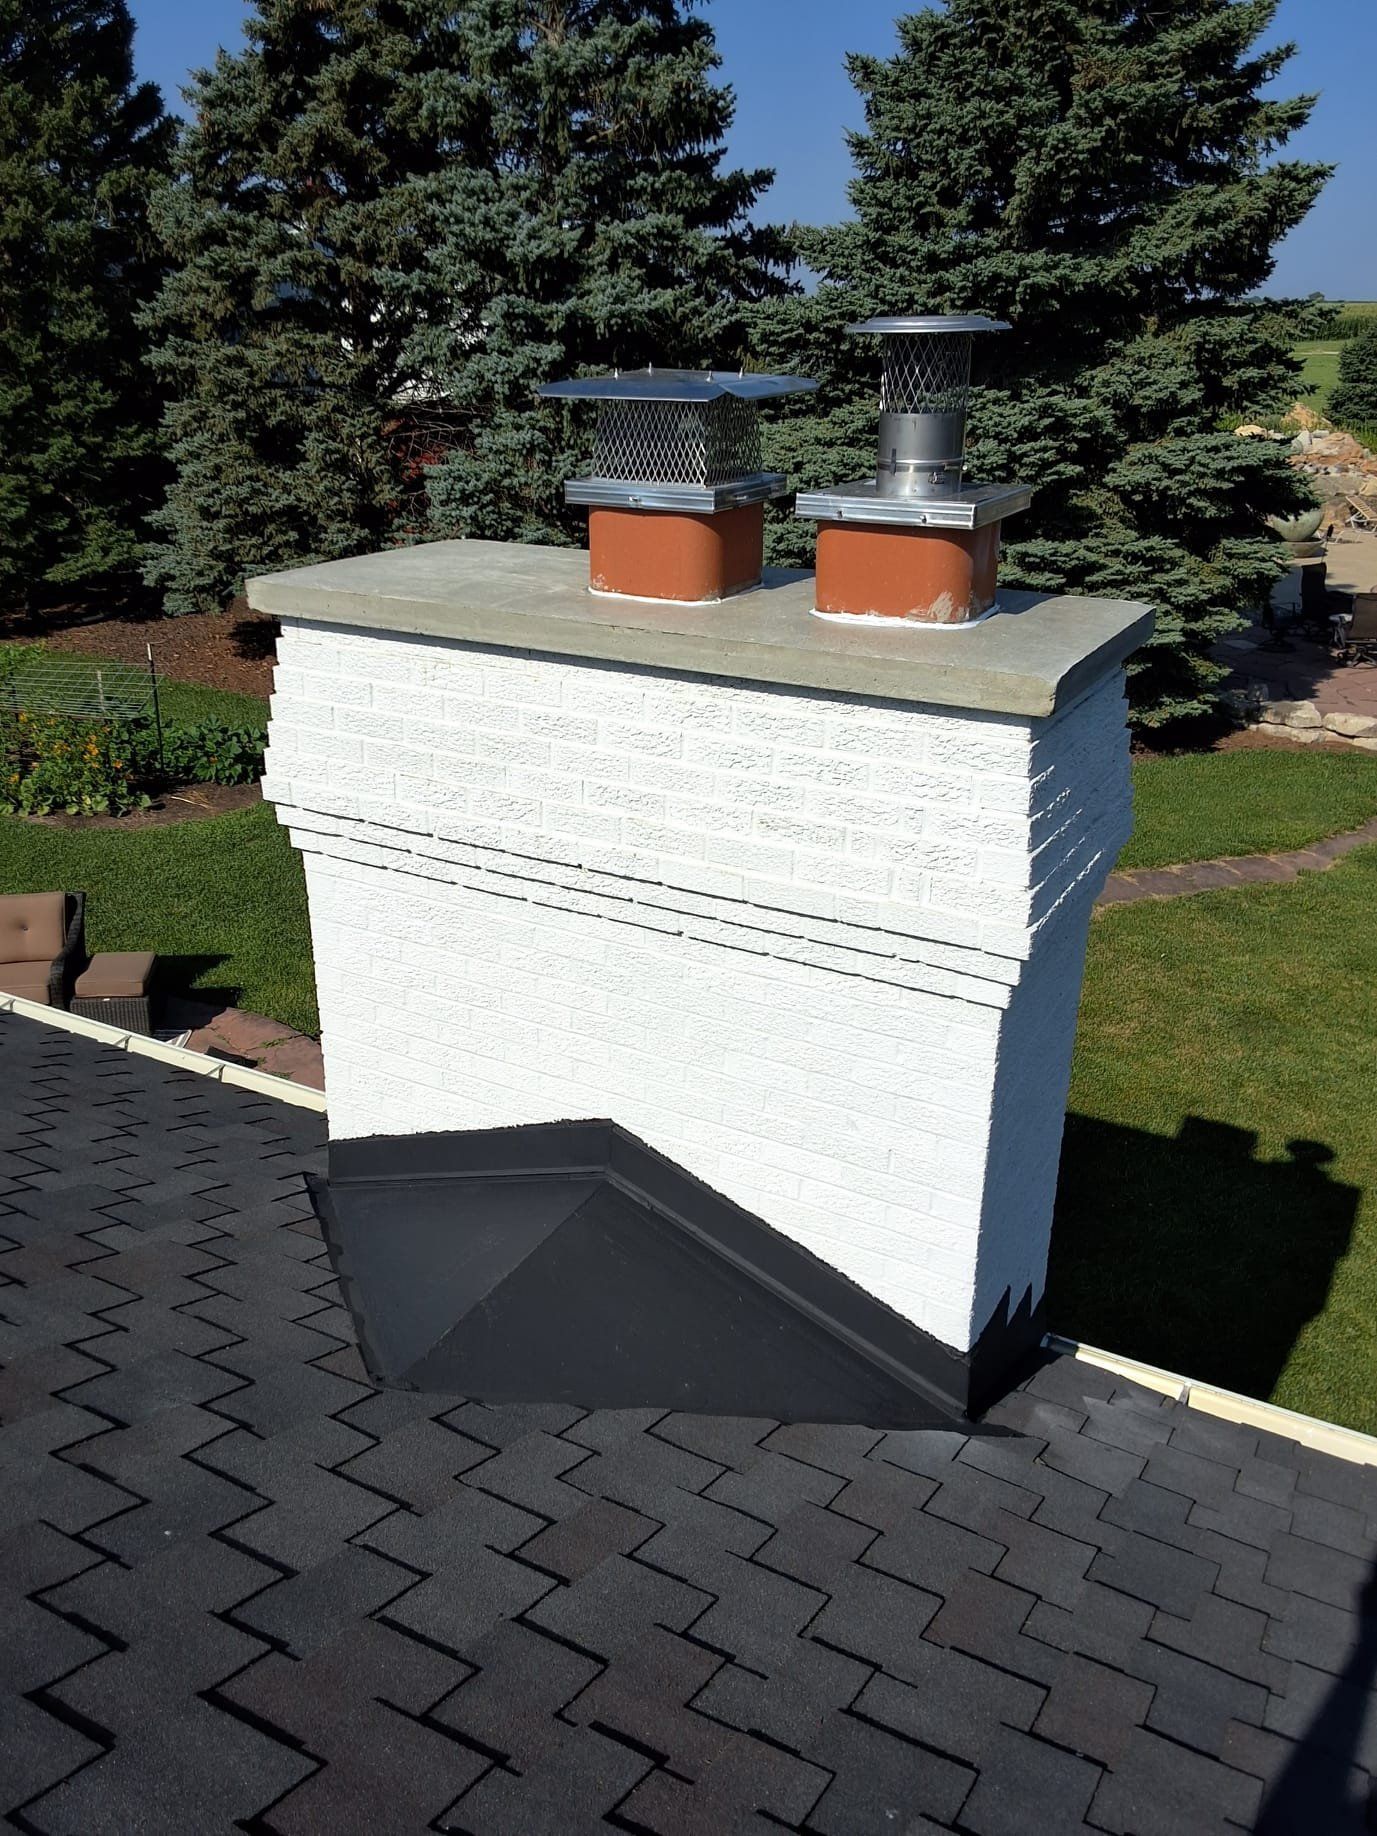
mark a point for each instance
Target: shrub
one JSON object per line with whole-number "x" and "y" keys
{"x": 213, "y": 753}
{"x": 1354, "y": 401}
{"x": 54, "y": 762}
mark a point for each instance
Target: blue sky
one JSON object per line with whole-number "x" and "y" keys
{"x": 794, "y": 103}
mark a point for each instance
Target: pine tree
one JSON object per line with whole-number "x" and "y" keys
{"x": 1354, "y": 400}
{"x": 311, "y": 176}
{"x": 600, "y": 230}
{"x": 1101, "y": 174}
{"x": 81, "y": 149}
{"x": 398, "y": 217}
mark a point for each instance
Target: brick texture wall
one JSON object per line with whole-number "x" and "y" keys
{"x": 823, "y": 951}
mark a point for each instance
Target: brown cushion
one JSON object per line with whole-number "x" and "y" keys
{"x": 27, "y": 979}
{"x": 32, "y": 927}
{"x": 115, "y": 973}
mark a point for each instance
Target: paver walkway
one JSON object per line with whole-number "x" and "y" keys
{"x": 246, "y": 1039}
{"x": 1243, "y": 870}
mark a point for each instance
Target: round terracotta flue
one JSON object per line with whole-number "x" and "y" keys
{"x": 676, "y": 500}
{"x": 916, "y": 541}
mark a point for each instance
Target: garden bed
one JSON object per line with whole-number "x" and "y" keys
{"x": 179, "y": 803}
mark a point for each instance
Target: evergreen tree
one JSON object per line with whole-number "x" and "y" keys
{"x": 81, "y": 149}
{"x": 1355, "y": 394}
{"x": 310, "y": 178}
{"x": 600, "y": 229}
{"x": 398, "y": 217}
{"x": 1099, "y": 173}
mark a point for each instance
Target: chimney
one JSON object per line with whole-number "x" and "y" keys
{"x": 697, "y": 983}
{"x": 916, "y": 541}
{"x": 676, "y": 501}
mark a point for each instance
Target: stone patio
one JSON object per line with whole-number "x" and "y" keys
{"x": 1306, "y": 692}
{"x": 245, "y": 1039}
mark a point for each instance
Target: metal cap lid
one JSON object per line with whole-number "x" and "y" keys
{"x": 677, "y": 386}
{"x": 932, "y": 322}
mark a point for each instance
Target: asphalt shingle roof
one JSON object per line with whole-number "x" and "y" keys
{"x": 242, "y": 1590}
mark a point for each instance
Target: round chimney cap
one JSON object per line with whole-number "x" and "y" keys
{"x": 677, "y": 386}
{"x": 931, "y": 322}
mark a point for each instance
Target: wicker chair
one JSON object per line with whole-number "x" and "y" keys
{"x": 1358, "y": 642}
{"x": 42, "y": 945}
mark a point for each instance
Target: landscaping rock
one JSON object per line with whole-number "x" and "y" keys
{"x": 1350, "y": 725}
{"x": 1292, "y": 714}
{"x": 1368, "y": 745}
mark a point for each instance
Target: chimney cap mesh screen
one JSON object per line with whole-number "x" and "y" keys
{"x": 926, "y": 375}
{"x": 678, "y": 442}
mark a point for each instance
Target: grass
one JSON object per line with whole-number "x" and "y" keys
{"x": 1319, "y": 372}
{"x": 188, "y": 703}
{"x": 1205, "y": 805}
{"x": 1218, "y": 1204}
{"x": 223, "y": 899}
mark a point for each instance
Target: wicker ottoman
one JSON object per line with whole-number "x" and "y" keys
{"x": 117, "y": 986}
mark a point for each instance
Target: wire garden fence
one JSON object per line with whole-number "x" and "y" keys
{"x": 86, "y": 737}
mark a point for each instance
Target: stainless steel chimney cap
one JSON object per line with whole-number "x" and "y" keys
{"x": 920, "y": 466}
{"x": 680, "y": 440}
{"x": 910, "y": 323}
{"x": 653, "y": 385}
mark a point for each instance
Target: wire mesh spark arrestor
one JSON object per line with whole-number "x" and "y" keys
{"x": 916, "y": 541}
{"x": 676, "y": 501}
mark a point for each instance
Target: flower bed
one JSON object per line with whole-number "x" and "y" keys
{"x": 85, "y": 767}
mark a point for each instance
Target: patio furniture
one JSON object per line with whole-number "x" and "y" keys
{"x": 1358, "y": 640}
{"x": 1362, "y": 511}
{"x": 42, "y": 944}
{"x": 117, "y": 987}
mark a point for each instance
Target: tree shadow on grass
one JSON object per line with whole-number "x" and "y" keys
{"x": 1191, "y": 1252}
{"x": 178, "y": 977}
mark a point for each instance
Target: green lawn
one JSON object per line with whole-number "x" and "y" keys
{"x": 222, "y": 901}
{"x": 188, "y": 703}
{"x": 1218, "y": 1203}
{"x": 1203, "y": 805}
{"x": 1320, "y": 372}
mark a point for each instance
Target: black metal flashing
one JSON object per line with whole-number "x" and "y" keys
{"x": 569, "y": 1262}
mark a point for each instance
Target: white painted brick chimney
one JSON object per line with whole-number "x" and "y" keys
{"x": 766, "y": 894}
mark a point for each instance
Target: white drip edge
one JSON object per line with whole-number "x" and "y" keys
{"x": 1228, "y": 1405}
{"x": 243, "y": 1077}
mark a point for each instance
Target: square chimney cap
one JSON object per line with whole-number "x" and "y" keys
{"x": 909, "y": 323}
{"x": 677, "y": 386}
